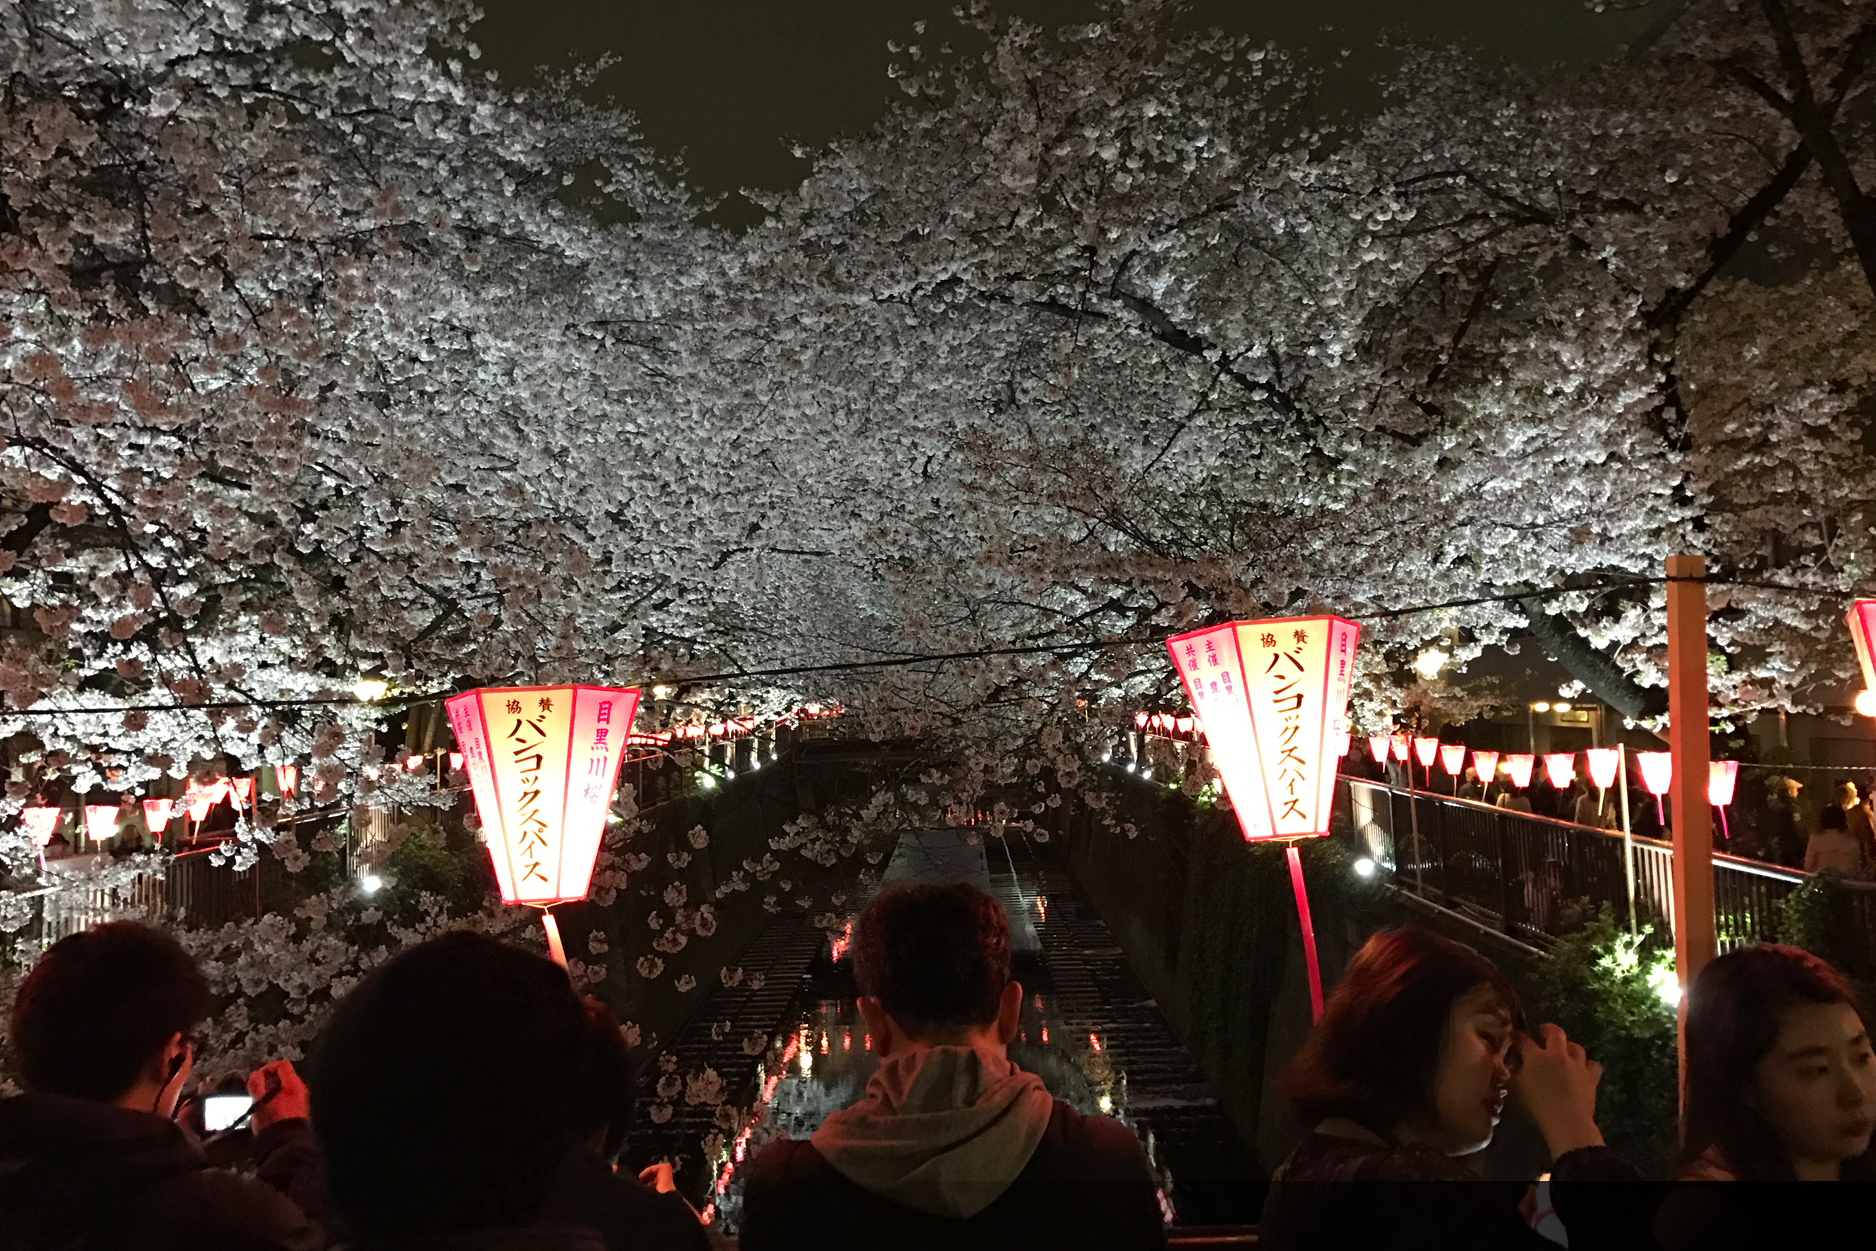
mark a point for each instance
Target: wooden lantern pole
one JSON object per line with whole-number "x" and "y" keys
{"x": 1689, "y": 742}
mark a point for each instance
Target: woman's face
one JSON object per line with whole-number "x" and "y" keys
{"x": 1817, "y": 1085}
{"x": 1469, "y": 1088}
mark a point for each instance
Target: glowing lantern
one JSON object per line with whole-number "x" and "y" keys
{"x": 156, "y": 814}
{"x": 1518, "y": 766}
{"x": 100, "y": 822}
{"x": 1400, "y": 748}
{"x": 1270, "y": 695}
{"x": 1453, "y": 758}
{"x": 542, "y": 762}
{"x": 1560, "y": 767}
{"x": 287, "y": 778}
{"x": 1862, "y": 622}
{"x": 241, "y": 792}
{"x": 1722, "y": 777}
{"x": 1377, "y": 747}
{"x": 1657, "y": 771}
{"x": 1602, "y": 763}
{"x": 1485, "y": 764}
{"x": 1185, "y": 724}
{"x": 41, "y": 824}
{"x": 455, "y": 760}
{"x": 1140, "y": 719}
{"x": 413, "y": 763}
{"x": 1424, "y": 748}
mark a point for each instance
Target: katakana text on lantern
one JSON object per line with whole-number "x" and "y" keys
{"x": 542, "y": 764}
{"x": 1272, "y": 698}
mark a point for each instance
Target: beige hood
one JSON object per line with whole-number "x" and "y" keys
{"x": 944, "y": 1130}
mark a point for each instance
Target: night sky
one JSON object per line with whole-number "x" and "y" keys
{"x": 730, "y": 83}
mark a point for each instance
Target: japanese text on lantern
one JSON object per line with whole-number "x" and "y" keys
{"x": 1272, "y": 697}
{"x": 525, "y": 741}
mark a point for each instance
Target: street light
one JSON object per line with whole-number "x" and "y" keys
{"x": 1429, "y": 663}
{"x": 370, "y": 690}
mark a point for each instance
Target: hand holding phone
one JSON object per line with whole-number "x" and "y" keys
{"x": 278, "y": 1094}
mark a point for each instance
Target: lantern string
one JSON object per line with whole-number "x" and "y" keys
{"x": 925, "y": 658}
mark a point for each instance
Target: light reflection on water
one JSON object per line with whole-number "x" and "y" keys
{"x": 825, "y": 1063}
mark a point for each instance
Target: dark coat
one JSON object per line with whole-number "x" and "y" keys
{"x": 78, "y": 1176}
{"x": 1087, "y": 1185}
{"x": 629, "y": 1214}
{"x": 1341, "y": 1194}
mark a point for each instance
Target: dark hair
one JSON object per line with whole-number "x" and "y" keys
{"x": 1375, "y": 1054}
{"x": 98, "y": 1007}
{"x": 611, "y": 1080}
{"x": 1734, "y": 1012}
{"x": 450, "y": 1085}
{"x": 1833, "y": 818}
{"x": 934, "y": 955}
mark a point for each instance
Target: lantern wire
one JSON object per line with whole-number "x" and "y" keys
{"x": 926, "y": 658}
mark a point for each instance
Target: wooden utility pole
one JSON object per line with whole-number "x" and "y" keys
{"x": 1688, "y": 722}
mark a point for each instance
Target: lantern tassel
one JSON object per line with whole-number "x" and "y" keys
{"x": 1309, "y": 933}
{"x": 554, "y": 948}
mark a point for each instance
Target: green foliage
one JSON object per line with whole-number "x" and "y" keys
{"x": 1605, "y": 987}
{"x": 429, "y": 861}
{"x": 1813, "y": 915}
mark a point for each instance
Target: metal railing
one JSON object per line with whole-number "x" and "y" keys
{"x": 1517, "y": 872}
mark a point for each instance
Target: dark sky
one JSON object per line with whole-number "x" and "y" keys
{"x": 730, "y": 83}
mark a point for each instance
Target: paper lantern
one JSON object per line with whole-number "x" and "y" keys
{"x": 455, "y": 760}
{"x": 1657, "y": 772}
{"x": 1185, "y": 724}
{"x": 1424, "y": 749}
{"x": 1485, "y": 764}
{"x": 1268, "y": 695}
{"x": 156, "y": 813}
{"x": 1722, "y": 777}
{"x": 287, "y": 778}
{"x": 1602, "y": 762}
{"x": 1377, "y": 747}
{"x": 1400, "y": 746}
{"x": 1862, "y": 623}
{"x": 1518, "y": 766}
{"x": 542, "y": 763}
{"x": 1560, "y": 768}
{"x": 100, "y": 822}
{"x": 413, "y": 763}
{"x": 241, "y": 792}
{"x": 1453, "y": 758}
{"x": 41, "y": 824}
{"x": 1140, "y": 719}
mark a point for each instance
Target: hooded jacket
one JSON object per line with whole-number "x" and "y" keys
{"x": 954, "y": 1147}
{"x": 78, "y": 1176}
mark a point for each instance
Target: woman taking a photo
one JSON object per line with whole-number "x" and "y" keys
{"x": 1409, "y": 1069}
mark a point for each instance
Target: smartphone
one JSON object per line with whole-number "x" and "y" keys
{"x": 221, "y": 1111}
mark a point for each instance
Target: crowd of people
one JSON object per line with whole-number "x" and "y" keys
{"x": 465, "y": 1098}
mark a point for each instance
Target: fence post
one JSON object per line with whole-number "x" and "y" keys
{"x": 1689, "y": 741}
{"x": 1628, "y": 835}
{"x": 1505, "y": 892}
{"x": 1413, "y": 820}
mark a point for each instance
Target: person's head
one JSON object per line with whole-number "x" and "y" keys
{"x": 612, "y": 1081}
{"x": 1780, "y": 1079}
{"x": 1833, "y": 818}
{"x": 1846, "y": 794}
{"x": 933, "y": 965}
{"x": 450, "y": 1085}
{"x": 106, "y": 1014}
{"x": 1414, "y": 1041}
